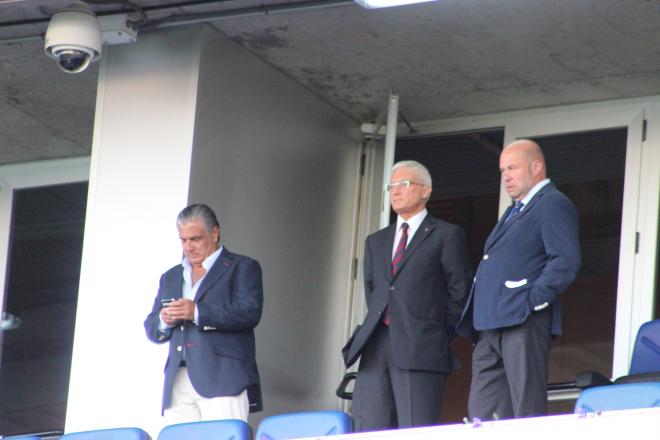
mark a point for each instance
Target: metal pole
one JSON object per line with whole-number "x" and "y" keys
{"x": 390, "y": 141}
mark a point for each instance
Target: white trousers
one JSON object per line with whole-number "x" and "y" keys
{"x": 188, "y": 406}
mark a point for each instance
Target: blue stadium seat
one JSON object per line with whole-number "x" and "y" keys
{"x": 207, "y": 430}
{"x": 22, "y": 437}
{"x": 53, "y": 434}
{"x": 644, "y": 364}
{"x": 304, "y": 424}
{"x": 618, "y": 397}
{"x": 109, "y": 434}
{"x": 646, "y": 356}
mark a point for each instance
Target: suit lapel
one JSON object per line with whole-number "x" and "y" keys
{"x": 502, "y": 226}
{"x": 498, "y": 227}
{"x": 221, "y": 265}
{"x": 386, "y": 252}
{"x": 175, "y": 287}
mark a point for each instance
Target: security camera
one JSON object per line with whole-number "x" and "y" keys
{"x": 73, "y": 38}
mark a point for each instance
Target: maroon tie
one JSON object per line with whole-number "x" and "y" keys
{"x": 398, "y": 254}
{"x": 396, "y": 263}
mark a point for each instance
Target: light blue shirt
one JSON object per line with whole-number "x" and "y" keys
{"x": 188, "y": 289}
{"x": 532, "y": 192}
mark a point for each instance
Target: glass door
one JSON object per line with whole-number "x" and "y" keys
{"x": 42, "y": 213}
{"x": 594, "y": 157}
{"x": 589, "y": 304}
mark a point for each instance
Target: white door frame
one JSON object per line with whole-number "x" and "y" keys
{"x": 373, "y": 210}
{"x": 31, "y": 175}
{"x": 575, "y": 121}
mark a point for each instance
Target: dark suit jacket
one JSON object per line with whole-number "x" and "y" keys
{"x": 425, "y": 298}
{"x": 220, "y": 350}
{"x": 528, "y": 261}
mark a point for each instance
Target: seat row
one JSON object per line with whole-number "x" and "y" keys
{"x": 278, "y": 427}
{"x": 619, "y": 397}
{"x": 325, "y": 423}
{"x": 640, "y": 388}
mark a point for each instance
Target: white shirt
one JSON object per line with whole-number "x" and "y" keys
{"x": 413, "y": 225}
{"x": 188, "y": 289}
{"x": 532, "y": 192}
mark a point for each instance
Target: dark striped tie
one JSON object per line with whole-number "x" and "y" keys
{"x": 401, "y": 247}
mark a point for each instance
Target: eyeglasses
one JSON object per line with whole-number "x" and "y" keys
{"x": 401, "y": 184}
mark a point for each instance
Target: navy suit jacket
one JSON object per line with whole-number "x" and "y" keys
{"x": 528, "y": 262}
{"x": 220, "y": 349}
{"x": 425, "y": 298}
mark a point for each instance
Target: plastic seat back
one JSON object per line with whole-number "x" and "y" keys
{"x": 304, "y": 424}
{"x": 22, "y": 437}
{"x": 646, "y": 353}
{"x": 644, "y": 364}
{"x": 108, "y": 434}
{"x": 618, "y": 397}
{"x": 207, "y": 430}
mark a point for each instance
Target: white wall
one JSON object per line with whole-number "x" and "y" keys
{"x": 279, "y": 166}
{"x": 138, "y": 182}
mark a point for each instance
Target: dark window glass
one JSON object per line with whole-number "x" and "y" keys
{"x": 42, "y": 291}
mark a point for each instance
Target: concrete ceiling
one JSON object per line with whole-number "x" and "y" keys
{"x": 445, "y": 58}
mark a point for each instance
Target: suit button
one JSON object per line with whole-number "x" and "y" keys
{"x": 391, "y": 287}
{"x": 486, "y": 257}
{"x": 179, "y": 348}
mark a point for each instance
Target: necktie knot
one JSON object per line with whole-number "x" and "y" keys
{"x": 515, "y": 210}
{"x": 517, "y": 207}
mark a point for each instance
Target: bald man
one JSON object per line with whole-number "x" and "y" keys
{"x": 531, "y": 257}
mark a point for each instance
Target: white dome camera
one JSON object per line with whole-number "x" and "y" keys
{"x": 73, "y": 38}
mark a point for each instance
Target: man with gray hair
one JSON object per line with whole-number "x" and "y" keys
{"x": 416, "y": 279}
{"x": 207, "y": 308}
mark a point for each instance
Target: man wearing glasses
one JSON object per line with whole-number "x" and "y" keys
{"x": 417, "y": 276}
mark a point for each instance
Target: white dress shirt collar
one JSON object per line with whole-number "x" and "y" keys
{"x": 532, "y": 192}
{"x": 206, "y": 264}
{"x": 414, "y": 223}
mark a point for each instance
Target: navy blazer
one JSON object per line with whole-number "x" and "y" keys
{"x": 425, "y": 298}
{"x": 528, "y": 262}
{"x": 220, "y": 349}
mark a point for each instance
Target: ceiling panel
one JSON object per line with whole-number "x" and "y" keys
{"x": 444, "y": 59}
